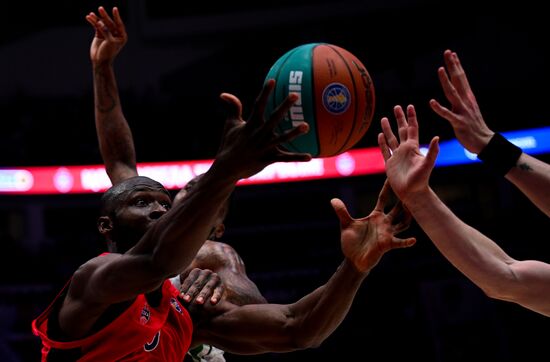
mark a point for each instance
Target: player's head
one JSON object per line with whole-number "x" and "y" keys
{"x": 129, "y": 208}
{"x": 218, "y": 228}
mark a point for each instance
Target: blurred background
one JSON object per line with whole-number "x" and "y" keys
{"x": 180, "y": 56}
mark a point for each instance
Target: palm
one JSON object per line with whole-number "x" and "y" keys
{"x": 407, "y": 169}
{"x": 364, "y": 241}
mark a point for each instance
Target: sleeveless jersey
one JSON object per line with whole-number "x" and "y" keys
{"x": 140, "y": 333}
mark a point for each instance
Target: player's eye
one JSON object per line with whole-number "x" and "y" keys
{"x": 140, "y": 202}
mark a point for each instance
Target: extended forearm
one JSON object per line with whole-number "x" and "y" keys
{"x": 186, "y": 227}
{"x": 115, "y": 137}
{"x": 532, "y": 177}
{"x": 475, "y": 255}
{"x": 262, "y": 328}
{"x": 321, "y": 312}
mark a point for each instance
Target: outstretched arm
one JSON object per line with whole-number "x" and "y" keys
{"x": 116, "y": 143}
{"x": 260, "y": 328}
{"x": 529, "y": 174}
{"x": 475, "y": 255}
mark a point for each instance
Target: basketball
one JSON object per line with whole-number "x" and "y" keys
{"x": 336, "y": 98}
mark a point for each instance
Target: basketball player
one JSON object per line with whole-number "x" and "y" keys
{"x": 118, "y": 152}
{"x": 525, "y": 282}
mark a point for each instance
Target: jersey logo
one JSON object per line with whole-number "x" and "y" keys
{"x": 145, "y": 315}
{"x": 149, "y": 347}
{"x": 175, "y": 305}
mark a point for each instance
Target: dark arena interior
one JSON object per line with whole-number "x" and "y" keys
{"x": 179, "y": 58}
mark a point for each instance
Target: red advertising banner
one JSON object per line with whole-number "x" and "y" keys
{"x": 174, "y": 175}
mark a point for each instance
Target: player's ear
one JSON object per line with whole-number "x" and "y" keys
{"x": 219, "y": 231}
{"x": 104, "y": 224}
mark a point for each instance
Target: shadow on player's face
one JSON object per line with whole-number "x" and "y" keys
{"x": 131, "y": 209}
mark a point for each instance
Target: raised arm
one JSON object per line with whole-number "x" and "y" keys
{"x": 479, "y": 258}
{"x": 254, "y": 329}
{"x": 529, "y": 174}
{"x": 116, "y": 143}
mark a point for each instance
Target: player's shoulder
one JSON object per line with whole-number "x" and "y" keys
{"x": 218, "y": 245}
{"x": 91, "y": 266}
{"x": 99, "y": 260}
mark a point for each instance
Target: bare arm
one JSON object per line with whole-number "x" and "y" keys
{"x": 261, "y": 328}
{"x": 530, "y": 175}
{"x": 479, "y": 258}
{"x": 116, "y": 143}
{"x": 253, "y": 329}
{"x": 476, "y": 256}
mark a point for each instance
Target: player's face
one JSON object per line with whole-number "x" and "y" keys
{"x": 139, "y": 210}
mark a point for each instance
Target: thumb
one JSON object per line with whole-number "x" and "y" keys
{"x": 398, "y": 243}
{"x": 232, "y": 106}
{"x": 341, "y": 211}
{"x": 433, "y": 151}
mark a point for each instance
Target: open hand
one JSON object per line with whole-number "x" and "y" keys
{"x": 366, "y": 240}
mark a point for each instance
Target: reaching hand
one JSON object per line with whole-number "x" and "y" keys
{"x": 407, "y": 169}
{"x": 464, "y": 116}
{"x": 366, "y": 240}
{"x": 248, "y": 147}
{"x": 200, "y": 285}
{"x": 110, "y": 36}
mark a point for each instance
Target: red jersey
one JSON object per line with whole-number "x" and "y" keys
{"x": 140, "y": 333}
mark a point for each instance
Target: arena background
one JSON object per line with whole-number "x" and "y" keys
{"x": 179, "y": 58}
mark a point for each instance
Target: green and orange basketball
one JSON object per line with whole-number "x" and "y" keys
{"x": 336, "y": 97}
